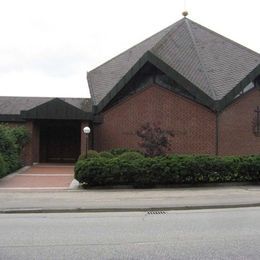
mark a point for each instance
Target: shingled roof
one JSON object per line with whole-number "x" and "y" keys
{"x": 14, "y": 105}
{"x": 212, "y": 63}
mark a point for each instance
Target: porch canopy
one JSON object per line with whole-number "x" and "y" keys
{"x": 56, "y": 109}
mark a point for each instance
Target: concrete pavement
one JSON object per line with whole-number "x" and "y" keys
{"x": 15, "y": 201}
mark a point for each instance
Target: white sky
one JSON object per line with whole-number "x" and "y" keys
{"x": 46, "y": 46}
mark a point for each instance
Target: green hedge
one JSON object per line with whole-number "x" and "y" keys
{"x": 2, "y": 166}
{"x": 130, "y": 156}
{"x": 106, "y": 155}
{"x": 167, "y": 170}
{"x": 90, "y": 154}
{"x": 119, "y": 151}
{"x": 12, "y": 141}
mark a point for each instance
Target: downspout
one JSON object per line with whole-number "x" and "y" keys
{"x": 217, "y": 133}
{"x": 92, "y": 135}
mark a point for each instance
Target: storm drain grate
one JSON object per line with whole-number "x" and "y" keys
{"x": 156, "y": 212}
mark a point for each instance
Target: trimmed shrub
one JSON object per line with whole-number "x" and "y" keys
{"x": 90, "y": 154}
{"x": 106, "y": 155}
{"x": 93, "y": 169}
{"x": 165, "y": 170}
{"x": 249, "y": 168}
{"x": 130, "y": 156}
{"x": 119, "y": 151}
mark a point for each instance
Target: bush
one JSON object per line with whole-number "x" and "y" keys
{"x": 154, "y": 140}
{"x": 106, "y": 155}
{"x": 119, "y": 151}
{"x": 12, "y": 141}
{"x": 90, "y": 154}
{"x": 130, "y": 156}
{"x": 91, "y": 168}
{"x": 20, "y": 136}
{"x": 2, "y": 166}
{"x": 9, "y": 149}
{"x": 249, "y": 168}
{"x": 137, "y": 170}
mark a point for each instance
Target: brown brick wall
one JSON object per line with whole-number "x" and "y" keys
{"x": 236, "y": 136}
{"x": 31, "y": 150}
{"x": 193, "y": 124}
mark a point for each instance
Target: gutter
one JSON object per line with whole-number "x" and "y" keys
{"x": 217, "y": 133}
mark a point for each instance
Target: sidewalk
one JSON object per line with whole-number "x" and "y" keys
{"x": 39, "y": 176}
{"x": 16, "y": 201}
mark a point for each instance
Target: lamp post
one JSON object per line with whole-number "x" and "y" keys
{"x": 86, "y": 131}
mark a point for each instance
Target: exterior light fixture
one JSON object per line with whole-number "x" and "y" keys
{"x": 86, "y": 131}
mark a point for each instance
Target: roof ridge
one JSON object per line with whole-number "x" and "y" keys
{"x": 225, "y": 38}
{"x": 178, "y": 24}
{"x": 121, "y": 53}
{"x": 199, "y": 57}
{"x": 91, "y": 91}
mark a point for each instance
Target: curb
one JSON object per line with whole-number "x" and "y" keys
{"x": 17, "y": 172}
{"x": 104, "y": 210}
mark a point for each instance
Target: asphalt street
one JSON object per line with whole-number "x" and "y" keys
{"x": 193, "y": 234}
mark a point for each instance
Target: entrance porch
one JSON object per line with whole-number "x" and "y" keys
{"x": 56, "y": 132}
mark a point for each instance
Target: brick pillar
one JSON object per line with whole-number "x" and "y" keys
{"x": 83, "y": 138}
{"x": 36, "y": 143}
{"x": 31, "y": 150}
{"x": 28, "y": 149}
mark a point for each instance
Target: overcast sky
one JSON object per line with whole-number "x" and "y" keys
{"x": 46, "y": 47}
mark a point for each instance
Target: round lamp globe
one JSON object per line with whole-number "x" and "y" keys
{"x": 86, "y": 130}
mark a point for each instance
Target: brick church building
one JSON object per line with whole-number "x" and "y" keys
{"x": 195, "y": 82}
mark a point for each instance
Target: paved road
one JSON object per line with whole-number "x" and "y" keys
{"x": 204, "y": 234}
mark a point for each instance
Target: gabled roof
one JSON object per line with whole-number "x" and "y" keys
{"x": 203, "y": 59}
{"x": 55, "y": 109}
{"x": 14, "y": 105}
{"x": 102, "y": 79}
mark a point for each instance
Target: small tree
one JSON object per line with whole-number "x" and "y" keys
{"x": 154, "y": 140}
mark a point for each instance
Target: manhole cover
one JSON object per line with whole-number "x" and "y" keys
{"x": 156, "y": 212}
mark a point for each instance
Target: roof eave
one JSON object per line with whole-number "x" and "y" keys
{"x": 44, "y": 111}
{"x": 92, "y": 93}
{"x": 229, "y": 97}
{"x": 11, "y": 118}
{"x": 181, "y": 80}
{"x": 157, "y": 62}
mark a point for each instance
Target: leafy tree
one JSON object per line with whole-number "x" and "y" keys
{"x": 154, "y": 140}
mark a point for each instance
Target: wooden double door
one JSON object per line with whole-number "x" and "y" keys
{"x": 59, "y": 142}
